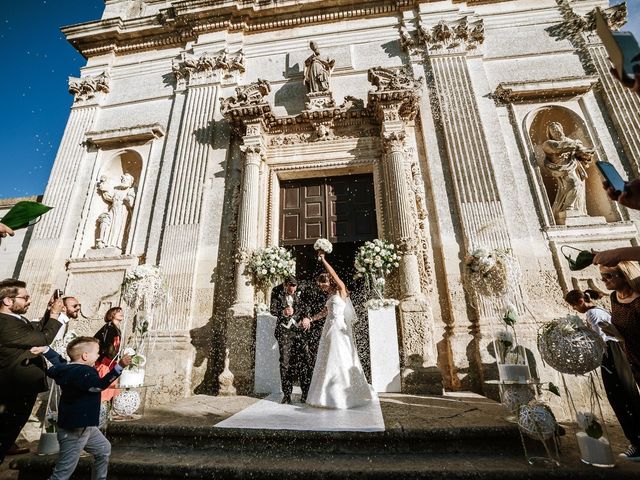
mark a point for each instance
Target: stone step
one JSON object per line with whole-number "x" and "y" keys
{"x": 469, "y": 439}
{"x": 161, "y": 464}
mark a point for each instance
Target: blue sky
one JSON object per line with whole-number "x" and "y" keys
{"x": 37, "y": 62}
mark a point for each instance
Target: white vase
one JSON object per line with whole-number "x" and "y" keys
{"x": 595, "y": 451}
{"x": 383, "y": 347}
{"x": 513, "y": 372}
{"x": 48, "y": 444}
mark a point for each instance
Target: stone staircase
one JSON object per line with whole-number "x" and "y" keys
{"x": 425, "y": 438}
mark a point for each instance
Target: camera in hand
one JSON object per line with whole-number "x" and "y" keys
{"x": 57, "y": 294}
{"x": 611, "y": 175}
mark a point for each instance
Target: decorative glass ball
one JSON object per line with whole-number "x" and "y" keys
{"x": 127, "y": 403}
{"x": 537, "y": 421}
{"x": 575, "y": 351}
{"x": 515, "y": 395}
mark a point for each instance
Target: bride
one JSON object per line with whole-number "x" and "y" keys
{"x": 338, "y": 380}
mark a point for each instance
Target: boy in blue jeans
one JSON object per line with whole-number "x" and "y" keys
{"x": 79, "y": 407}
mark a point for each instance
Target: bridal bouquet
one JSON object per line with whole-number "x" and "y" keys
{"x": 143, "y": 287}
{"x": 375, "y": 260}
{"x": 324, "y": 245}
{"x": 491, "y": 272}
{"x": 270, "y": 265}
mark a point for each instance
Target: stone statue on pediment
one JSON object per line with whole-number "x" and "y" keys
{"x": 567, "y": 160}
{"x": 112, "y": 225}
{"x": 317, "y": 71}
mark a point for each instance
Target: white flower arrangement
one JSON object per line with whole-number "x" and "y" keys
{"x": 262, "y": 308}
{"x": 59, "y": 345}
{"x": 380, "y": 303}
{"x": 589, "y": 423}
{"x": 491, "y": 272}
{"x": 270, "y": 265}
{"x": 324, "y": 245}
{"x": 375, "y": 260}
{"x": 143, "y": 287}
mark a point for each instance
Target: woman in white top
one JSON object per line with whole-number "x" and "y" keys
{"x": 617, "y": 376}
{"x": 338, "y": 380}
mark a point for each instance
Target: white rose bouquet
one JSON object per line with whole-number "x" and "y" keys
{"x": 270, "y": 265}
{"x": 324, "y": 245}
{"x": 491, "y": 272}
{"x": 374, "y": 261}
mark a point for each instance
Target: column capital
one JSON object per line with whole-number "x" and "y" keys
{"x": 86, "y": 88}
{"x": 396, "y": 96}
{"x": 393, "y": 141}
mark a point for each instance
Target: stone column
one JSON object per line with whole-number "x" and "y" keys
{"x": 402, "y": 217}
{"x": 247, "y": 238}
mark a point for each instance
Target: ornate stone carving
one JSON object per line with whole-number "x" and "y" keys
{"x": 111, "y": 226}
{"x": 406, "y": 40}
{"x": 225, "y": 379}
{"x": 87, "y": 87}
{"x": 189, "y": 70}
{"x": 451, "y": 35}
{"x": 390, "y": 79}
{"x": 396, "y": 95}
{"x": 317, "y": 71}
{"x": 393, "y": 142}
{"x": 567, "y": 160}
{"x": 248, "y": 101}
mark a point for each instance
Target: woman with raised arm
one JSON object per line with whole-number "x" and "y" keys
{"x": 338, "y": 379}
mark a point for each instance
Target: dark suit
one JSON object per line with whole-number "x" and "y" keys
{"x": 295, "y": 358}
{"x": 22, "y": 374}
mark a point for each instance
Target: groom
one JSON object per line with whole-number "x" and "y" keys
{"x": 295, "y": 358}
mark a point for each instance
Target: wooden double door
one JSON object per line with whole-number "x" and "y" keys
{"x": 341, "y": 209}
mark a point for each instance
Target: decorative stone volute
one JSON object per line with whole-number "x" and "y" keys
{"x": 447, "y": 36}
{"x": 248, "y": 103}
{"x": 86, "y": 88}
{"x": 396, "y": 95}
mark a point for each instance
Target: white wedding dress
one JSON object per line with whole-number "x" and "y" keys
{"x": 338, "y": 379}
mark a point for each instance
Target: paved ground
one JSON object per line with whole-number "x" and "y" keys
{"x": 401, "y": 412}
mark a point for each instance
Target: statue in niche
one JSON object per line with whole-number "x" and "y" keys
{"x": 317, "y": 70}
{"x": 112, "y": 225}
{"x": 567, "y": 160}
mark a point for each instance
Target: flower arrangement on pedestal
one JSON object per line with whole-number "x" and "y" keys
{"x": 143, "y": 289}
{"x": 375, "y": 260}
{"x": 491, "y": 272}
{"x": 569, "y": 346}
{"x": 270, "y": 265}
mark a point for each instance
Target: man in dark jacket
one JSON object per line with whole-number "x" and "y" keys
{"x": 295, "y": 361}
{"x": 22, "y": 374}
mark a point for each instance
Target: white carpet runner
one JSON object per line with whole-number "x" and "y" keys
{"x": 270, "y": 414}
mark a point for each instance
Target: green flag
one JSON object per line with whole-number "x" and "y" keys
{"x": 24, "y": 214}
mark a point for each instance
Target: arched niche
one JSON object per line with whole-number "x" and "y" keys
{"x": 113, "y": 205}
{"x": 597, "y": 203}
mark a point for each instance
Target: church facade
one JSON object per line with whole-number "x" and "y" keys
{"x": 203, "y": 130}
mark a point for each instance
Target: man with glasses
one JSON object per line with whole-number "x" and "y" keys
{"x": 22, "y": 374}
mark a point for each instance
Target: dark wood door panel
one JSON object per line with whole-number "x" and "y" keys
{"x": 341, "y": 209}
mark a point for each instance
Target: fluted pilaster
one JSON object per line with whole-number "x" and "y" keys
{"x": 178, "y": 256}
{"x": 42, "y": 256}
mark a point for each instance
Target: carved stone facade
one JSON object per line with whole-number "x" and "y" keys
{"x": 211, "y": 106}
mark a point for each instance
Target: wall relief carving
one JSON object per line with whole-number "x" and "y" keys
{"x": 86, "y": 88}
{"x": 191, "y": 70}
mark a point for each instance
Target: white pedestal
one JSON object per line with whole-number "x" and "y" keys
{"x": 383, "y": 345}
{"x": 267, "y": 366}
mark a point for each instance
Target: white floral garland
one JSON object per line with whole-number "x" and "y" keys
{"x": 380, "y": 303}
{"x": 270, "y": 265}
{"x": 491, "y": 273}
{"x": 143, "y": 287}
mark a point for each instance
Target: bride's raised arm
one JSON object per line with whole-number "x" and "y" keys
{"x": 342, "y": 288}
